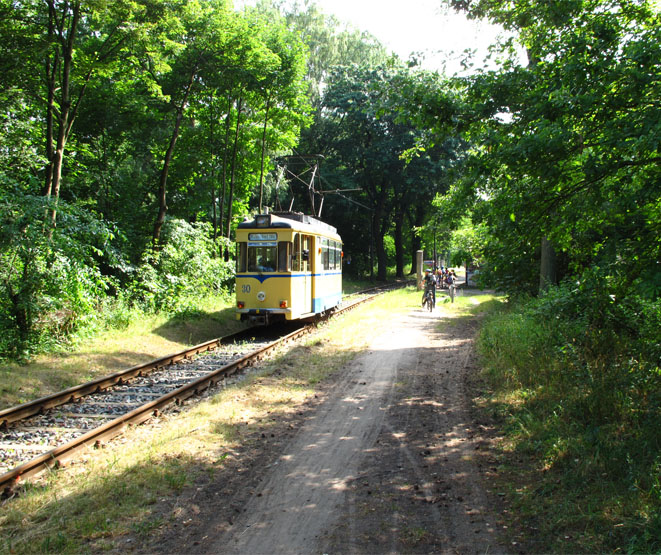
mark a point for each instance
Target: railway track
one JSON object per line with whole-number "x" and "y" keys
{"x": 47, "y": 432}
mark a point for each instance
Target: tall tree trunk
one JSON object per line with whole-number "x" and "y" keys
{"x": 380, "y": 228}
{"x": 417, "y": 220}
{"x": 163, "y": 182}
{"x": 381, "y": 255}
{"x": 378, "y": 194}
{"x": 373, "y": 232}
{"x": 212, "y": 176}
{"x": 223, "y": 180}
{"x": 547, "y": 266}
{"x": 55, "y": 155}
{"x": 399, "y": 242}
{"x": 61, "y": 113}
{"x": 52, "y": 68}
{"x": 261, "y": 172}
{"x": 230, "y": 200}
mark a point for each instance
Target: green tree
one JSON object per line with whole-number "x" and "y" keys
{"x": 185, "y": 268}
{"x": 283, "y": 90}
{"x": 367, "y": 133}
{"x": 331, "y": 44}
{"x": 194, "y": 40}
{"x": 148, "y": 111}
{"x": 467, "y": 244}
{"x": 569, "y": 146}
{"x": 57, "y": 49}
{"x": 48, "y": 283}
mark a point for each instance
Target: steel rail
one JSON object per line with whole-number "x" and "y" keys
{"x": 94, "y": 438}
{"x": 39, "y": 406}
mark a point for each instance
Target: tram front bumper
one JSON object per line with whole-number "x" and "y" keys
{"x": 263, "y": 315}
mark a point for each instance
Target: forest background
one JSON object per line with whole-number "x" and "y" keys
{"x": 136, "y": 134}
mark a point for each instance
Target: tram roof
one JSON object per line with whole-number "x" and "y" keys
{"x": 287, "y": 220}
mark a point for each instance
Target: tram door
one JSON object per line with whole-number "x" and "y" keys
{"x": 312, "y": 268}
{"x": 302, "y": 301}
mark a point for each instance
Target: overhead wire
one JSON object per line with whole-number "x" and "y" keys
{"x": 310, "y": 186}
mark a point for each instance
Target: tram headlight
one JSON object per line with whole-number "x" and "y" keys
{"x": 261, "y": 296}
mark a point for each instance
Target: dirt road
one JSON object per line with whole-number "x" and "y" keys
{"x": 389, "y": 461}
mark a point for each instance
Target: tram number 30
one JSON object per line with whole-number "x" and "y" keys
{"x": 245, "y": 288}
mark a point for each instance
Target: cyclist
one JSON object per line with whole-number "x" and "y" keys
{"x": 451, "y": 280}
{"x": 429, "y": 281}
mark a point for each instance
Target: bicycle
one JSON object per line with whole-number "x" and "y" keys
{"x": 428, "y": 300}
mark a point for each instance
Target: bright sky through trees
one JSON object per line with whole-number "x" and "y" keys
{"x": 417, "y": 26}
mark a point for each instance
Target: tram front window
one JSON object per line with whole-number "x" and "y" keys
{"x": 262, "y": 259}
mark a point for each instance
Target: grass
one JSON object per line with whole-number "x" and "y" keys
{"x": 142, "y": 338}
{"x": 145, "y": 338}
{"x": 573, "y": 483}
{"x": 120, "y": 490}
{"x": 580, "y": 468}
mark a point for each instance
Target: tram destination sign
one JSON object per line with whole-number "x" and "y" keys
{"x": 263, "y": 236}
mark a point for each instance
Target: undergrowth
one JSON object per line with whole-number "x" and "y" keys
{"x": 577, "y": 381}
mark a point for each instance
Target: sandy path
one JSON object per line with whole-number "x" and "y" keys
{"x": 388, "y": 463}
{"x": 299, "y": 498}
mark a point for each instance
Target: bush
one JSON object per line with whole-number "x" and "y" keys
{"x": 50, "y": 279}
{"x": 584, "y": 336}
{"x": 518, "y": 347}
{"x": 582, "y": 363}
{"x": 187, "y": 265}
{"x": 117, "y": 313}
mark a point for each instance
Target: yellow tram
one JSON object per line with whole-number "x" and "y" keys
{"x": 289, "y": 266}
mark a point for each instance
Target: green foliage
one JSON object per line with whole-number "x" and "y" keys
{"x": 517, "y": 349}
{"x": 582, "y": 365}
{"x": 330, "y": 45}
{"x": 186, "y": 266}
{"x": 364, "y": 130}
{"x": 164, "y": 107}
{"x": 117, "y": 313}
{"x": 567, "y": 148}
{"x": 50, "y": 279}
{"x": 468, "y": 243}
{"x": 19, "y": 157}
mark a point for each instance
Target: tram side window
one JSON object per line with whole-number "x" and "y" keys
{"x": 306, "y": 264}
{"x": 324, "y": 253}
{"x": 296, "y": 258}
{"x": 284, "y": 256}
{"x": 331, "y": 255}
{"x": 262, "y": 259}
{"x": 333, "y": 258}
{"x": 241, "y": 258}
